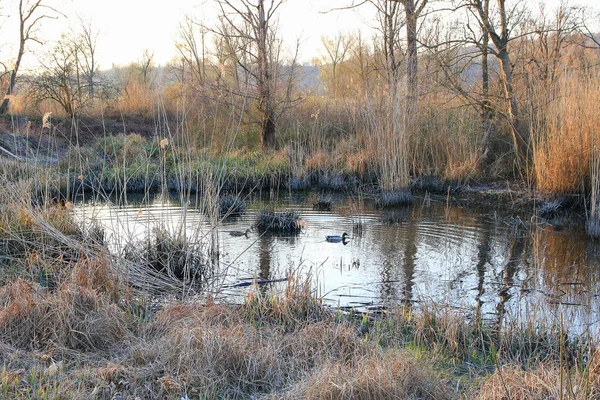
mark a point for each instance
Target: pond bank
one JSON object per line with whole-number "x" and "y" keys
{"x": 88, "y": 338}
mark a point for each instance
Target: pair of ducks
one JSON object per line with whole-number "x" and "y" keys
{"x": 329, "y": 238}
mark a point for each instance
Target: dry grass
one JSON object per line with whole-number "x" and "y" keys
{"x": 447, "y": 145}
{"x": 566, "y": 135}
{"x": 137, "y": 99}
{"x": 593, "y": 216}
{"x": 82, "y": 341}
{"x": 392, "y": 375}
{"x": 541, "y": 383}
{"x": 73, "y": 317}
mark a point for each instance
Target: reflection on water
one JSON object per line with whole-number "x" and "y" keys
{"x": 464, "y": 258}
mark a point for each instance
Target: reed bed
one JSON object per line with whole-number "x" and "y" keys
{"x": 565, "y": 134}
{"x": 593, "y": 216}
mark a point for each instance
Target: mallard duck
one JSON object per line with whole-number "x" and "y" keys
{"x": 336, "y": 238}
{"x": 239, "y": 233}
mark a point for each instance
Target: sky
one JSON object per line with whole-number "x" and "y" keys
{"x": 127, "y": 27}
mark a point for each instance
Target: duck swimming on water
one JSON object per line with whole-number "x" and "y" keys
{"x": 239, "y": 233}
{"x": 336, "y": 238}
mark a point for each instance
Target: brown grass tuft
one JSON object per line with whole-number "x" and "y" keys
{"x": 96, "y": 273}
{"x": 392, "y": 375}
{"x": 516, "y": 384}
{"x": 73, "y": 317}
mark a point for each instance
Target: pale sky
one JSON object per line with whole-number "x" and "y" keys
{"x": 127, "y": 27}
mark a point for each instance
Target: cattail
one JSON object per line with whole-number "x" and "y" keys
{"x": 46, "y": 120}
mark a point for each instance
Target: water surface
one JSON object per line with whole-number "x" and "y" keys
{"x": 490, "y": 263}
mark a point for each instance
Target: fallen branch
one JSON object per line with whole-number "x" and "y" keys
{"x": 16, "y": 157}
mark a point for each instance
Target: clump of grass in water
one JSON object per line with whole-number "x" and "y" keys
{"x": 278, "y": 222}
{"x": 171, "y": 254}
{"x": 549, "y": 208}
{"x": 395, "y": 198}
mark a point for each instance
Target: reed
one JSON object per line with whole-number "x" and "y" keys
{"x": 593, "y": 215}
{"x": 564, "y": 134}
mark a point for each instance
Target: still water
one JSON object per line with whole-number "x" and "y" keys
{"x": 490, "y": 263}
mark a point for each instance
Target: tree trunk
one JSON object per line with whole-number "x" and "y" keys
{"x": 268, "y": 131}
{"x": 520, "y": 136}
{"x": 485, "y": 106}
{"x": 265, "y": 106}
{"x": 411, "y": 67}
{"x": 11, "y": 86}
{"x": 22, "y": 40}
{"x": 520, "y": 139}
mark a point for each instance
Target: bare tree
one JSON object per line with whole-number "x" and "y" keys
{"x": 412, "y": 11}
{"x": 337, "y": 49}
{"x": 192, "y": 49}
{"x": 247, "y": 39}
{"x": 66, "y": 73}
{"x": 146, "y": 64}
{"x": 455, "y": 55}
{"x": 59, "y": 78}
{"x": 86, "y": 42}
{"x": 485, "y": 86}
{"x": 550, "y": 35}
{"x": 31, "y": 14}
{"x": 360, "y": 57}
{"x": 500, "y": 34}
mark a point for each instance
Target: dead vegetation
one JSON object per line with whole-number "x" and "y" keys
{"x": 93, "y": 337}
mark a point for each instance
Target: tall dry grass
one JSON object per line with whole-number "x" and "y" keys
{"x": 593, "y": 216}
{"x": 565, "y": 128}
{"x": 392, "y": 140}
{"x": 447, "y": 144}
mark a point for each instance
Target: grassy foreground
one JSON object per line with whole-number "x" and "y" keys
{"x": 91, "y": 339}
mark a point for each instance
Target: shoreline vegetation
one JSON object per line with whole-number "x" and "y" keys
{"x": 110, "y": 164}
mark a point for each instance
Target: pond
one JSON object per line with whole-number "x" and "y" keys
{"x": 489, "y": 263}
